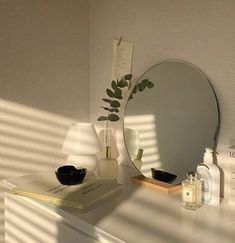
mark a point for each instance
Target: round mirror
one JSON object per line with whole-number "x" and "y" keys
{"x": 168, "y": 126}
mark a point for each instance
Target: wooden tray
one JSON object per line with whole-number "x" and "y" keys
{"x": 156, "y": 185}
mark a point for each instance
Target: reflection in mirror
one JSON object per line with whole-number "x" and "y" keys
{"x": 173, "y": 122}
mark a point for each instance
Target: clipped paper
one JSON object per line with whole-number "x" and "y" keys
{"x": 122, "y": 58}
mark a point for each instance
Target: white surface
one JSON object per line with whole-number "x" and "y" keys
{"x": 26, "y": 222}
{"x": 143, "y": 215}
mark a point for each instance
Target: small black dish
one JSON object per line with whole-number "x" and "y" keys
{"x": 164, "y": 176}
{"x": 70, "y": 175}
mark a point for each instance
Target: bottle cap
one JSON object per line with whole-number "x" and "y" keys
{"x": 139, "y": 154}
{"x": 208, "y": 156}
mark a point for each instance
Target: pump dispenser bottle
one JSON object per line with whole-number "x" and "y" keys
{"x": 210, "y": 175}
{"x": 108, "y": 167}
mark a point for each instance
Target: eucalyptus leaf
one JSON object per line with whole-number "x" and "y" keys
{"x": 130, "y": 97}
{"x": 107, "y": 100}
{"x": 134, "y": 91}
{"x": 113, "y": 117}
{"x": 114, "y": 85}
{"x": 128, "y": 76}
{"x": 122, "y": 83}
{"x": 109, "y": 93}
{"x": 117, "y": 96}
{"x": 118, "y": 93}
{"x": 114, "y": 110}
{"x": 115, "y": 93}
{"x": 115, "y": 103}
{"x": 140, "y": 87}
{"x": 106, "y": 108}
{"x": 145, "y": 82}
{"x": 150, "y": 85}
{"x": 102, "y": 118}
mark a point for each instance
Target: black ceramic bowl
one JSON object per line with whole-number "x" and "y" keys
{"x": 70, "y": 175}
{"x": 162, "y": 175}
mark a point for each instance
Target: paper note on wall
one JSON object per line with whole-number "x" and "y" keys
{"x": 122, "y": 58}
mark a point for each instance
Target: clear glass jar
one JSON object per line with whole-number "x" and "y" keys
{"x": 192, "y": 191}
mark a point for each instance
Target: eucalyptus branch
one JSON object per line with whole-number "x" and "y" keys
{"x": 115, "y": 93}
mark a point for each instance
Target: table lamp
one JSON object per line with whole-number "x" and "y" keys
{"x": 81, "y": 145}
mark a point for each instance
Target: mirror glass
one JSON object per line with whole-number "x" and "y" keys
{"x": 172, "y": 122}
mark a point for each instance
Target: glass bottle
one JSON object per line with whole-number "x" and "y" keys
{"x": 108, "y": 167}
{"x": 192, "y": 191}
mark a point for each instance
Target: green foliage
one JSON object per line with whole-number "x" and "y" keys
{"x": 113, "y": 117}
{"x": 107, "y": 100}
{"x": 115, "y": 94}
{"x": 128, "y": 76}
{"x": 115, "y": 103}
{"x": 102, "y": 118}
{"x": 141, "y": 86}
{"x": 109, "y": 92}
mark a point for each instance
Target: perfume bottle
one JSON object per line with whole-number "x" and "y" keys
{"x": 137, "y": 161}
{"x": 108, "y": 167}
{"x": 192, "y": 191}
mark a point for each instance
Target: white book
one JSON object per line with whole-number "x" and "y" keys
{"x": 47, "y": 188}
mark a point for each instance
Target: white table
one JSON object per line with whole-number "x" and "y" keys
{"x": 139, "y": 215}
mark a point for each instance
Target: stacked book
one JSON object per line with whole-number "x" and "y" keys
{"x": 47, "y": 188}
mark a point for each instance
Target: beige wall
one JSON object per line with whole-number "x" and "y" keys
{"x": 43, "y": 82}
{"x": 201, "y": 32}
{"x": 44, "y": 55}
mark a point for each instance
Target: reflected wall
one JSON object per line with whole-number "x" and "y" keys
{"x": 176, "y": 119}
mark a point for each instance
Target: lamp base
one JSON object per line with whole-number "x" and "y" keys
{"x": 86, "y": 161}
